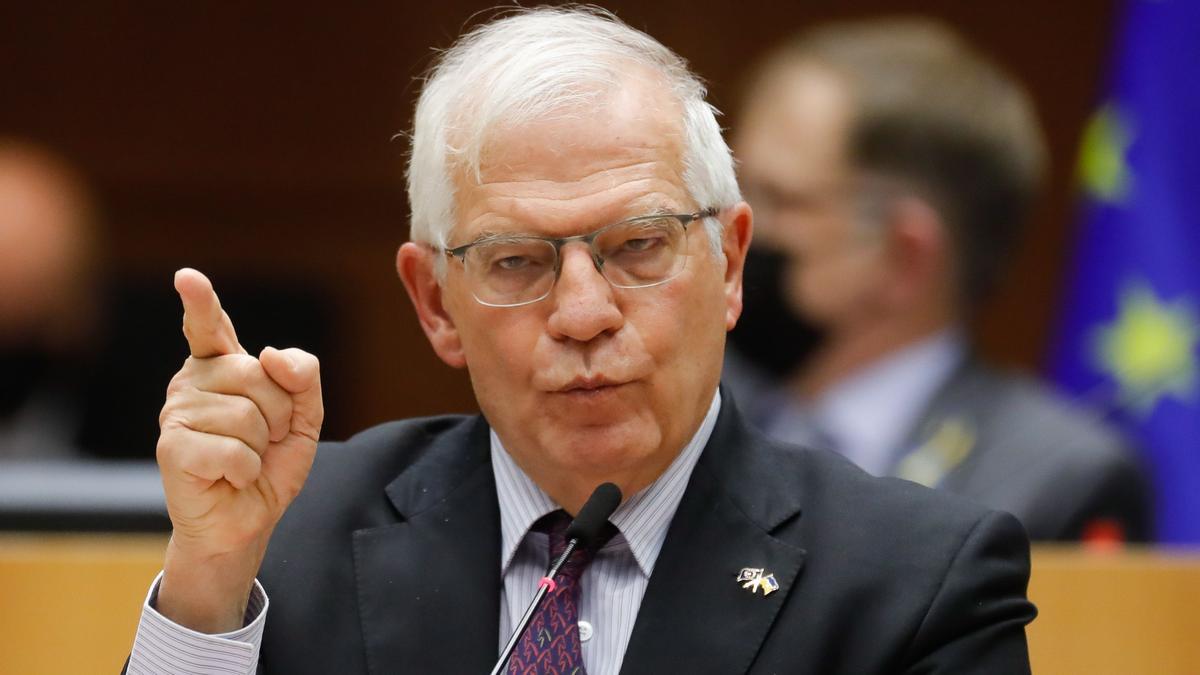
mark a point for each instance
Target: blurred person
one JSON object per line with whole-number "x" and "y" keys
{"x": 71, "y": 323}
{"x": 890, "y": 167}
{"x": 48, "y": 299}
{"x": 577, "y": 246}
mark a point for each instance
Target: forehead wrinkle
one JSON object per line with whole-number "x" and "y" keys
{"x": 565, "y": 215}
{"x": 595, "y": 200}
{"x": 564, "y": 177}
{"x": 586, "y": 164}
{"x": 590, "y": 169}
{"x": 535, "y": 185}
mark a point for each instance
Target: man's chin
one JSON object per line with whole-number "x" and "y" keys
{"x": 594, "y": 444}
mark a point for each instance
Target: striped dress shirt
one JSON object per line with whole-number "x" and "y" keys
{"x": 612, "y": 586}
{"x": 611, "y": 589}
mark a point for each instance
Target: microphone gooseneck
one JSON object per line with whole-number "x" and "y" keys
{"x": 581, "y": 533}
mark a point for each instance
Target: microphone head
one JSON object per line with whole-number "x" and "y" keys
{"x": 594, "y": 514}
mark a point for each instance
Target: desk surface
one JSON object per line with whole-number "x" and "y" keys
{"x": 1128, "y": 612}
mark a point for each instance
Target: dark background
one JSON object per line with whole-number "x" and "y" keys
{"x": 256, "y": 143}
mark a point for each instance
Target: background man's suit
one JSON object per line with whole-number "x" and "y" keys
{"x": 1008, "y": 443}
{"x": 389, "y": 562}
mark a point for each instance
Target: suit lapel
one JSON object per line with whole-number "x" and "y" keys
{"x": 429, "y": 585}
{"x": 735, "y": 498}
{"x": 938, "y": 446}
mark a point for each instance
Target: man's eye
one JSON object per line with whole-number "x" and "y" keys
{"x": 642, "y": 244}
{"x": 513, "y": 263}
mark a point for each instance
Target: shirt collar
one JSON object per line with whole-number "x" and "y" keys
{"x": 642, "y": 520}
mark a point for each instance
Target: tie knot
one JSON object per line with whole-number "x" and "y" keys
{"x": 555, "y": 525}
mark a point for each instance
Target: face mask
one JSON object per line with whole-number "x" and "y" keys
{"x": 770, "y": 334}
{"x": 22, "y": 370}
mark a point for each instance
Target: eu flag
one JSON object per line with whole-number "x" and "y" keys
{"x": 1131, "y": 310}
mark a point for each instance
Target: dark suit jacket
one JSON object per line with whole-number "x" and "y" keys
{"x": 1027, "y": 451}
{"x": 389, "y": 562}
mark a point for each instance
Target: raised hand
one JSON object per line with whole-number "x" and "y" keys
{"x": 238, "y": 436}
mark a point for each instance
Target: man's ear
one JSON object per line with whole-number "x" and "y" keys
{"x": 918, "y": 254}
{"x": 415, "y": 265}
{"x": 738, "y": 222}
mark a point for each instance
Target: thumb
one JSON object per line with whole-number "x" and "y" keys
{"x": 299, "y": 373}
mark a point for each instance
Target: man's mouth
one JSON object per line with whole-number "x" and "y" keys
{"x": 583, "y": 385}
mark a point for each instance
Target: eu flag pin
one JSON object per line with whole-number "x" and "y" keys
{"x": 754, "y": 578}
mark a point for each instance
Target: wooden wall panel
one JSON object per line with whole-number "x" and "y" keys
{"x": 1115, "y": 613}
{"x": 72, "y": 603}
{"x": 256, "y": 139}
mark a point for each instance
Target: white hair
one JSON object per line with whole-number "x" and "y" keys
{"x": 532, "y": 63}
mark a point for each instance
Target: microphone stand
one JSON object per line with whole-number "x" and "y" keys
{"x": 543, "y": 587}
{"x": 584, "y": 530}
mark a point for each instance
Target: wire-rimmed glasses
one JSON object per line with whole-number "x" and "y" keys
{"x": 510, "y": 270}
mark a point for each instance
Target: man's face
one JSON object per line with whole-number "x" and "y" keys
{"x": 791, "y": 144}
{"x": 594, "y": 382}
{"x": 45, "y": 253}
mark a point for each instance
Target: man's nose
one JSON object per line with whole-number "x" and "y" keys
{"x": 584, "y": 302}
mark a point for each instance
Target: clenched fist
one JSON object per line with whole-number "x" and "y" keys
{"x": 238, "y": 436}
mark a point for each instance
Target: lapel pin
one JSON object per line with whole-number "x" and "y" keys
{"x": 754, "y": 578}
{"x": 947, "y": 447}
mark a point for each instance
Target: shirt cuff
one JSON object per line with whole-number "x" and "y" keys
{"x": 164, "y": 647}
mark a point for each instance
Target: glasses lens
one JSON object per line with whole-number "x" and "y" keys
{"x": 642, "y": 252}
{"x": 511, "y": 271}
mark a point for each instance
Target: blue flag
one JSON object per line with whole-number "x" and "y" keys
{"x": 1130, "y": 319}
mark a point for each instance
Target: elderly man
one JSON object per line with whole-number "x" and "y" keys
{"x": 578, "y": 241}
{"x": 891, "y": 166}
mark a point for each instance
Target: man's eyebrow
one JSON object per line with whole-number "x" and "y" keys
{"x": 652, "y": 206}
{"x": 638, "y": 208}
{"x": 494, "y": 235}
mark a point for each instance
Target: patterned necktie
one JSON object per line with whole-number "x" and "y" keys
{"x": 551, "y": 644}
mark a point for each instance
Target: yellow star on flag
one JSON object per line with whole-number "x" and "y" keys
{"x": 1103, "y": 168}
{"x": 1150, "y": 348}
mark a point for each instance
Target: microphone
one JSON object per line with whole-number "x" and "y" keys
{"x": 593, "y": 516}
{"x": 583, "y": 532}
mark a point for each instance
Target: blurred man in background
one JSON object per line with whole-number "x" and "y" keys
{"x": 47, "y": 301}
{"x": 71, "y": 323}
{"x": 890, "y": 168}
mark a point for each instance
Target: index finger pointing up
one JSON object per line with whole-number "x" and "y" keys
{"x": 206, "y": 326}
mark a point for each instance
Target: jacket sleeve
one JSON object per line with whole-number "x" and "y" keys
{"x": 976, "y": 620}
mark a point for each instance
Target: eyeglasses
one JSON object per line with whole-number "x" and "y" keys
{"x": 513, "y": 270}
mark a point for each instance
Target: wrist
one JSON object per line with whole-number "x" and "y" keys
{"x": 207, "y": 593}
